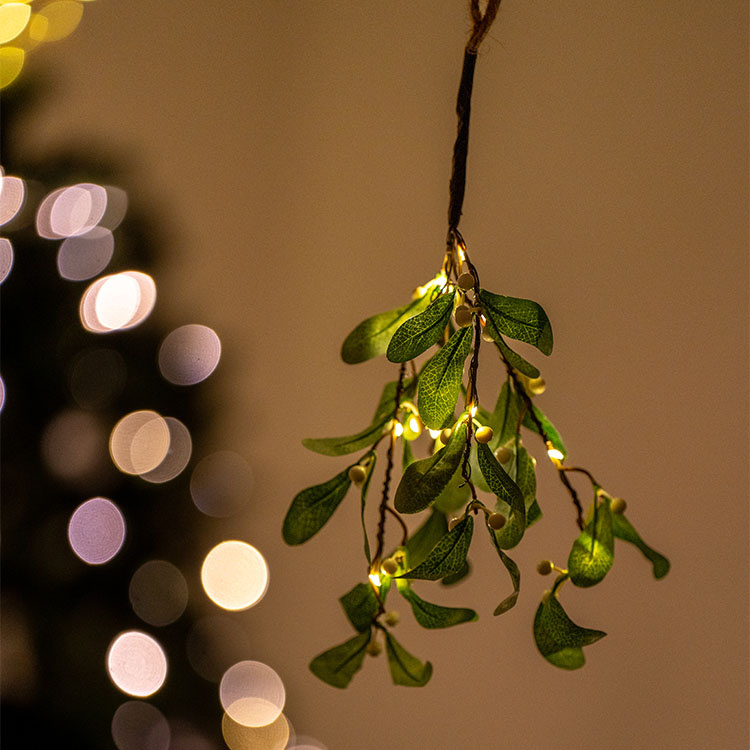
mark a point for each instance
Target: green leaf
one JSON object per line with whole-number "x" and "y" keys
{"x": 406, "y": 669}
{"x": 525, "y": 477}
{"x": 533, "y": 514}
{"x": 360, "y": 605}
{"x": 559, "y": 640}
{"x": 370, "y": 338}
{"x": 424, "y": 480}
{"x": 505, "y": 418}
{"x": 338, "y": 665}
{"x": 408, "y": 456}
{"x": 433, "y": 615}
{"x": 514, "y": 359}
{"x": 508, "y": 492}
{"x": 593, "y": 552}
{"x": 455, "y": 495}
{"x": 440, "y": 380}
{"x": 312, "y": 507}
{"x": 447, "y": 556}
{"x": 520, "y": 319}
{"x": 549, "y": 429}
{"x": 515, "y": 576}
{"x": 455, "y": 578}
{"x": 371, "y": 458}
{"x": 623, "y": 529}
{"x": 387, "y": 404}
{"x": 419, "y": 544}
{"x": 419, "y": 333}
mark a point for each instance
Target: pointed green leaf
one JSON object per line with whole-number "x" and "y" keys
{"x": 433, "y": 615}
{"x": 515, "y": 577}
{"x": 508, "y": 493}
{"x": 424, "y": 480}
{"x": 312, "y": 507}
{"x": 520, "y": 319}
{"x": 549, "y": 429}
{"x": 533, "y": 514}
{"x": 593, "y": 552}
{"x": 406, "y": 669}
{"x": 455, "y": 495}
{"x": 559, "y": 640}
{"x": 458, "y": 576}
{"x": 504, "y": 420}
{"x": 447, "y": 556}
{"x": 525, "y": 477}
{"x": 387, "y": 404}
{"x": 514, "y": 359}
{"x": 407, "y": 458}
{"x": 360, "y": 605}
{"x": 440, "y": 380}
{"x": 623, "y": 529}
{"x": 419, "y": 544}
{"x": 419, "y": 333}
{"x": 338, "y": 665}
{"x": 370, "y": 338}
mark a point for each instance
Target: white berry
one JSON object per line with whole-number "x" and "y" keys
{"x": 357, "y": 474}
{"x": 463, "y": 316}
{"x": 618, "y": 505}
{"x": 374, "y": 648}
{"x": 392, "y": 618}
{"x": 496, "y": 521}
{"x": 503, "y": 454}
{"x": 484, "y": 434}
{"x": 390, "y": 566}
{"x": 466, "y": 281}
{"x": 544, "y": 568}
{"x": 445, "y": 435}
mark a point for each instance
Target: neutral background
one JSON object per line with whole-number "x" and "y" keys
{"x": 298, "y": 156}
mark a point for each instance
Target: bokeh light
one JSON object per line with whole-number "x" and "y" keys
{"x": 139, "y": 442}
{"x": 2, "y": 394}
{"x": 11, "y": 63}
{"x": 252, "y": 694}
{"x": 137, "y": 725}
{"x": 273, "y": 736}
{"x": 221, "y": 484}
{"x": 55, "y": 21}
{"x": 6, "y": 258}
{"x": 13, "y": 20}
{"x": 177, "y": 457}
{"x": 234, "y": 575}
{"x": 136, "y": 663}
{"x": 96, "y": 530}
{"x": 117, "y": 206}
{"x": 214, "y": 643}
{"x": 306, "y": 743}
{"x": 117, "y": 302}
{"x": 158, "y": 593}
{"x": 189, "y": 354}
{"x": 84, "y": 256}
{"x": 73, "y": 446}
{"x": 96, "y": 377}
{"x": 12, "y": 190}
{"x": 77, "y": 209}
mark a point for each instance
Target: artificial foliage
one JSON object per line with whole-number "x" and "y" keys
{"x": 477, "y": 477}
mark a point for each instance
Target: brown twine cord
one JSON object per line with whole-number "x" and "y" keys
{"x": 481, "y": 22}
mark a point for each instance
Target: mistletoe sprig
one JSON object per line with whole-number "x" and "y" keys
{"x": 476, "y": 464}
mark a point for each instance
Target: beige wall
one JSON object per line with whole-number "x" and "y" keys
{"x": 299, "y": 153}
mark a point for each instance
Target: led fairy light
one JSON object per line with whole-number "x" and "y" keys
{"x": 477, "y": 464}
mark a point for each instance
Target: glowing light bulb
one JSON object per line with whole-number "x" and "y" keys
{"x": 473, "y": 410}
{"x": 555, "y": 454}
{"x": 434, "y": 434}
{"x": 375, "y": 578}
{"x": 398, "y": 429}
{"x": 414, "y": 425}
{"x": 461, "y": 254}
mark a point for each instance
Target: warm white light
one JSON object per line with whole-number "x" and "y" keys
{"x": 139, "y": 442}
{"x": 235, "y": 575}
{"x": 117, "y": 302}
{"x": 398, "y": 429}
{"x": 435, "y": 434}
{"x": 77, "y": 209}
{"x": 252, "y": 694}
{"x": 555, "y": 454}
{"x": 12, "y": 193}
{"x": 84, "y": 256}
{"x": 189, "y": 354}
{"x": 177, "y": 457}
{"x": 13, "y": 20}
{"x": 158, "y": 593}
{"x": 137, "y": 725}
{"x": 414, "y": 425}
{"x": 96, "y": 531}
{"x": 6, "y": 258}
{"x": 136, "y": 663}
{"x": 375, "y": 579}
{"x": 273, "y": 736}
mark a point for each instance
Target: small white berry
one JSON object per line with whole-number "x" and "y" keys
{"x": 463, "y": 316}
{"x": 392, "y": 618}
{"x": 466, "y": 281}
{"x": 484, "y": 434}
{"x": 357, "y": 474}
{"x": 390, "y": 566}
{"x": 618, "y": 505}
{"x": 496, "y": 521}
{"x": 503, "y": 454}
{"x": 374, "y": 648}
{"x": 544, "y": 568}
{"x": 536, "y": 386}
{"x": 445, "y": 435}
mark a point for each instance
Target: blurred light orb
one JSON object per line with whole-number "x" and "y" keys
{"x": 2, "y": 393}
{"x": 136, "y": 663}
{"x": 117, "y": 206}
{"x": 221, "y": 483}
{"x": 139, "y": 442}
{"x": 214, "y": 643}
{"x": 12, "y": 189}
{"x": 307, "y": 743}
{"x": 234, "y": 576}
{"x": 252, "y": 694}
{"x": 273, "y": 736}
{"x": 96, "y": 530}
{"x": 55, "y": 21}
{"x": 96, "y": 377}
{"x": 72, "y": 445}
{"x": 137, "y": 725}
{"x": 11, "y": 63}
{"x": 117, "y": 302}
{"x": 84, "y": 256}
{"x": 43, "y": 214}
{"x": 77, "y": 209}
{"x": 189, "y": 354}
{"x": 158, "y": 593}
{"x": 6, "y": 258}
{"x": 13, "y": 20}
{"x": 177, "y": 457}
